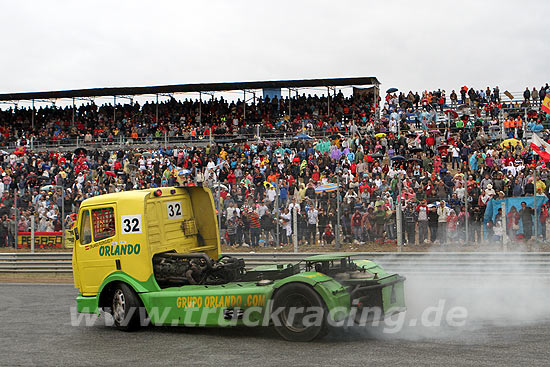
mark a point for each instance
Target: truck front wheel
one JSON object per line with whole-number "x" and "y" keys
{"x": 126, "y": 308}
{"x": 299, "y": 313}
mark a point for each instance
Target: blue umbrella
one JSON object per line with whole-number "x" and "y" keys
{"x": 184, "y": 172}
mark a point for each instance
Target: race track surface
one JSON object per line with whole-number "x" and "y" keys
{"x": 36, "y": 330}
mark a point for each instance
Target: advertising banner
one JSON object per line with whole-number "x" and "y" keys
{"x": 41, "y": 240}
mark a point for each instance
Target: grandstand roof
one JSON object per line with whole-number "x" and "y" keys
{"x": 186, "y": 88}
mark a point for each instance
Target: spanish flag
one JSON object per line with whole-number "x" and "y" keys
{"x": 546, "y": 104}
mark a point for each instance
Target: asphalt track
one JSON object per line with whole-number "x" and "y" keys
{"x": 502, "y": 329}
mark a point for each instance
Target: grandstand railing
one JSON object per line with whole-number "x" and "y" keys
{"x": 157, "y": 142}
{"x": 179, "y": 141}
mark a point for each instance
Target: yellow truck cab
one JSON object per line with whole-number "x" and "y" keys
{"x": 122, "y": 231}
{"x": 153, "y": 256}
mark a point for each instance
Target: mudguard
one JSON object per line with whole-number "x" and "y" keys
{"x": 150, "y": 285}
{"x": 334, "y": 294}
{"x": 90, "y": 304}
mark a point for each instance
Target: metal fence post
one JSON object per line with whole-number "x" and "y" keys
{"x": 295, "y": 229}
{"x": 466, "y": 214}
{"x": 114, "y": 110}
{"x": 338, "y": 241}
{"x": 15, "y": 216}
{"x": 72, "y": 113}
{"x": 535, "y": 201}
{"x": 328, "y": 102}
{"x": 219, "y": 210}
{"x": 32, "y": 234}
{"x": 277, "y": 213}
{"x": 398, "y": 219}
{"x": 32, "y": 114}
{"x": 501, "y": 121}
{"x": 289, "y": 104}
{"x": 63, "y": 215}
{"x": 503, "y": 225}
{"x": 157, "y": 109}
{"x": 524, "y": 124}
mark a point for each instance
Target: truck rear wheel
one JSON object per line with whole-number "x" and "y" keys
{"x": 126, "y": 308}
{"x": 299, "y": 313}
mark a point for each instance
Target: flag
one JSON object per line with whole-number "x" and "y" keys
{"x": 541, "y": 147}
{"x": 328, "y": 187}
{"x": 546, "y": 105}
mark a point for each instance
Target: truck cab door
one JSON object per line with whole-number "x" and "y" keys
{"x": 97, "y": 229}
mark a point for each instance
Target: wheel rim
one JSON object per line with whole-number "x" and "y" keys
{"x": 295, "y": 300}
{"x": 119, "y": 306}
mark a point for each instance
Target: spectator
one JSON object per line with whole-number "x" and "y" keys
{"x": 442, "y": 213}
{"x": 328, "y": 236}
{"x": 409, "y": 218}
{"x": 452, "y": 229}
{"x": 422, "y": 214}
{"x": 312, "y": 222}
{"x": 512, "y": 223}
{"x": 286, "y": 225}
{"x": 497, "y": 228}
{"x": 254, "y": 223}
{"x": 4, "y": 231}
{"x": 543, "y": 218}
{"x": 268, "y": 226}
{"x": 526, "y": 215}
{"x": 232, "y": 225}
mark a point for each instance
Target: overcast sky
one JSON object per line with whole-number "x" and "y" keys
{"x": 54, "y": 45}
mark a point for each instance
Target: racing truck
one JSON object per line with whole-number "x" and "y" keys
{"x": 153, "y": 256}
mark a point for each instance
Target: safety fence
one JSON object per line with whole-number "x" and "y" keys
{"x": 501, "y": 264}
{"x": 466, "y": 223}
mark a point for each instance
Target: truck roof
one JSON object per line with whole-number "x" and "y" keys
{"x": 134, "y": 195}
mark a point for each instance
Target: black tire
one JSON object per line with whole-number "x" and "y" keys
{"x": 295, "y": 328}
{"x": 126, "y": 308}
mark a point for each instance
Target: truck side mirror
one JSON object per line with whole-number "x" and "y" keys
{"x": 76, "y": 234}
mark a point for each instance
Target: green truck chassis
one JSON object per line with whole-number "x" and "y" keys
{"x": 300, "y": 300}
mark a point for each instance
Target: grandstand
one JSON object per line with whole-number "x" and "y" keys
{"x": 27, "y": 117}
{"x": 388, "y": 158}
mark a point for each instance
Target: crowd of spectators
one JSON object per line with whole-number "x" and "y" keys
{"x": 190, "y": 120}
{"x": 433, "y": 165}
